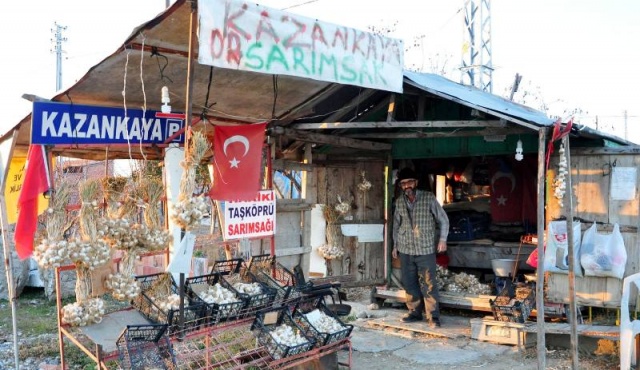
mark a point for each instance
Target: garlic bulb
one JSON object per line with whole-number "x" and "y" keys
{"x": 172, "y": 302}
{"x": 89, "y": 254}
{"x": 329, "y": 251}
{"x": 218, "y": 294}
{"x": 51, "y": 253}
{"x": 85, "y": 313}
{"x": 560, "y": 182}
{"x": 364, "y": 185}
{"x": 284, "y": 334}
{"x": 248, "y": 288}
{"x": 343, "y": 207}
{"x": 123, "y": 287}
{"x": 323, "y": 322}
{"x": 188, "y": 212}
{"x": 121, "y": 234}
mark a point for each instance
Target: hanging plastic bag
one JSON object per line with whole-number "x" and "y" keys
{"x": 556, "y": 256}
{"x": 603, "y": 254}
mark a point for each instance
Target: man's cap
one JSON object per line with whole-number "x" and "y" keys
{"x": 406, "y": 174}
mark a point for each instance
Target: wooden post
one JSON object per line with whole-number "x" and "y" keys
{"x": 193, "y": 34}
{"x": 573, "y": 317}
{"x": 541, "y": 346}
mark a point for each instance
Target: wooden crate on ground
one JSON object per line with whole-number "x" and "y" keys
{"x": 489, "y": 330}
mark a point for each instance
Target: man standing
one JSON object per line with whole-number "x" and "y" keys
{"x": 416, "y": 218}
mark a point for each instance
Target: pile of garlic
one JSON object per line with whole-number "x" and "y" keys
{"x": 248, "y": 288}
{"x": 123, "y": 287}
{"x": 218, "y": 294}
{"x": 460, "y": 283}
{"x": 328, "y": 251}
{"x": 89, "y": 254}
{"x": 364, "y": 185}
{"x": 171, "y": 302}
{"x": 123, "y": 235}
{"x": 560, "y": 183}
{"x": 51, "y": 253}
{"x": 284, "y": 334}
{"x": 343, "y": 207}
{"x": 323, "y": 322}
{"x": 188, "y": 212}
{"x": 85, "y": 313}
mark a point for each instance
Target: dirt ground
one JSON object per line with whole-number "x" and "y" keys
{"x": 556, "y": 358}
{"x": 38, "y": 345}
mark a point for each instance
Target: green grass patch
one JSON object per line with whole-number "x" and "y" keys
{"x": 35, "y": 314}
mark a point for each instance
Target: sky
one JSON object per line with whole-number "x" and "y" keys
{"x": 577, "y": 58}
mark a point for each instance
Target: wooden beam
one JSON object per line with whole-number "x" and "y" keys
{"x": 283, "y": 164}
{"x": 436, "y": 134}
{"x": 353, "y": 103}
{"x": 630, "y": 150}
{"x": 391, "y": 110}
{"x": 401, "y": 124}
{"x": 540, "y": 324}
{"x": 306, "y": 107}
{"x": 329, "y": 139}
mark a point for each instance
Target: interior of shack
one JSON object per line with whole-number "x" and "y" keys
{"x": 491, "y": 203}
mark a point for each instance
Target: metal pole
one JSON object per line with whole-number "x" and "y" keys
{"x": 541, "y": 346}
{"x": 573, "y": 317}
{"x": 8, "y": 266}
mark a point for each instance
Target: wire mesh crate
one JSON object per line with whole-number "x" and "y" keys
{"x": 215, "y": 312}
{"x": 265, "y": 325}
{"x": 226, "y": 267}
{"x": 254, "y": 301}
{"x": 262, "y": 262}
{"x": 145, "y": 347}
{"x": 285, "y": 294}
{"x": 513, "y": 305}
{"x": 304, "y": 314}
{"x": 152, "y": 304}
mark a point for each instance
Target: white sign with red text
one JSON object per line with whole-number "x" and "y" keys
{"x": 246, "y": 36}
{"x": 250, "y": 219}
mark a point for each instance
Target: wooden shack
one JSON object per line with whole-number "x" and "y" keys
{"x": 339, "y": 135}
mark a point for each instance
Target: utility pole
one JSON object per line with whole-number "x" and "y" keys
{"x": 57, "y": 41}
{"x": 477, "y": 67}
{"x": 514, "y": 87}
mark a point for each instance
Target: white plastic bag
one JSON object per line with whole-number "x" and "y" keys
{"x": 603, "y": 254}
{"x": 556, "y": 254}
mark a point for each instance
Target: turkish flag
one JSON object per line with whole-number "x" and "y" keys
{"x": 36, "y": 182}
{"x": 506, "y": 193}
{"x": 237, "y": 160}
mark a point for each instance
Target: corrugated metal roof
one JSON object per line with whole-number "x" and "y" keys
{"x": 478, "y": 99}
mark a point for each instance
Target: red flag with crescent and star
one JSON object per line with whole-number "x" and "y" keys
{"x": 36, "y": 182}
{"x": 237, "y": 160}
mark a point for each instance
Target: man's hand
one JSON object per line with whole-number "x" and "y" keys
{"x": 394, "y": 252}
{"x": 442, "y": 246}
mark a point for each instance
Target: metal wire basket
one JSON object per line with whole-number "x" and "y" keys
{"x": 267, "y": 321}
{"x": 215, "y": 312}
{"x": 322, "y": 337}
{"x": 145, "y": 347}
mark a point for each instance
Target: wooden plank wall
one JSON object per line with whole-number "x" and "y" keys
{"x": 591, "y": 178}
{"x": 362, "y": 263}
